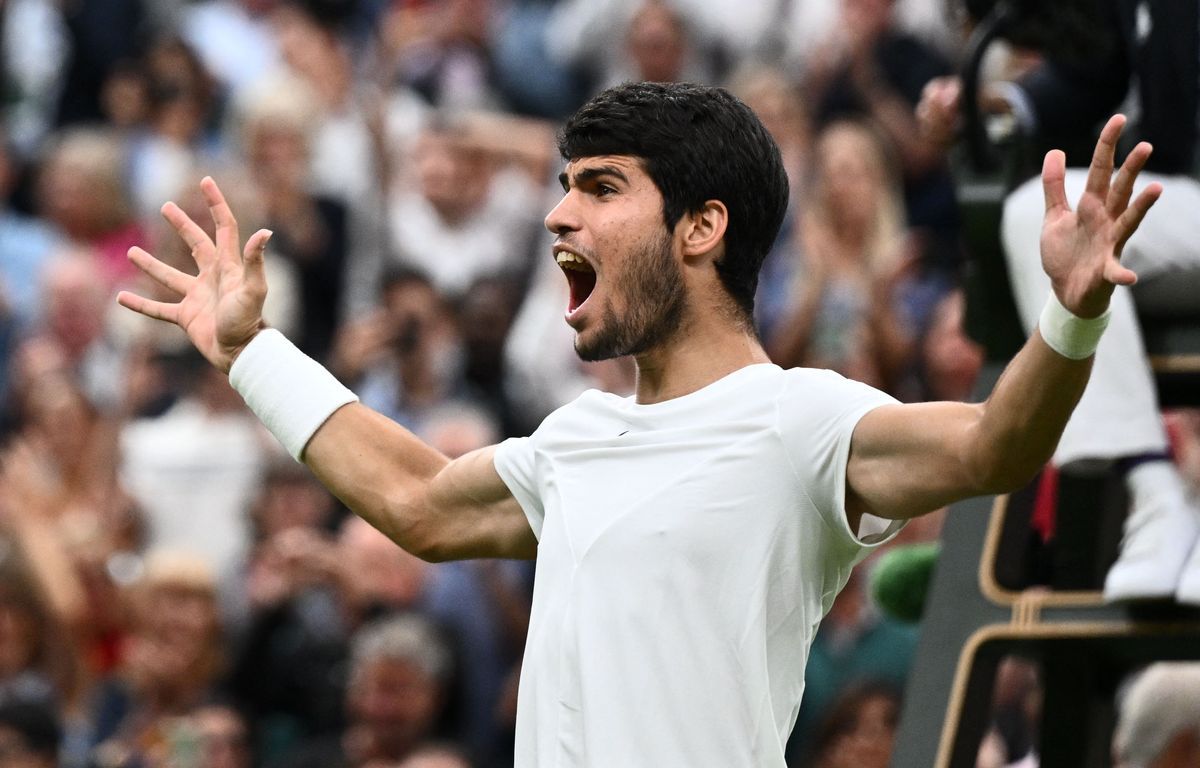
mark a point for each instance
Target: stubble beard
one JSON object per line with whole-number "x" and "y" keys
{"x": 652, "y": 288}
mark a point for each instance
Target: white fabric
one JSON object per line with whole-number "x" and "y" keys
{"x": 194, "y": 473}
{"x": 286, "y": 389}
{"x": 687, "y": 551}
{"x": 493, "y": 239}
{"x": 1118, "y": 413}
{"x": 239, "y": 49}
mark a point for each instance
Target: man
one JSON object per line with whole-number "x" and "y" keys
{"x": 1156, "y": 45}
{"x": 690, "y": 538}
{"x": 1158, "y": 719}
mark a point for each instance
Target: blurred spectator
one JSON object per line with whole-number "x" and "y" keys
{"x": 65, "y": 452}
{"x": 476, "y": 604}
{"x": 223, "y": 737}
{"x": 1011, "y": 740}
{"x": 860, "y": 728}
{"x": 435, "y": 756}
{"x": 347, "y": 125}
{"x": 172, "y": 660}
{"x": 195, "y": 469}
{"x": 308, "y": 595}
{"x": 466, "y": 215}
{"x": 405, "y": 358}
{"x": 100, "y": 34}
{"x": 126, "y": 99}
{"x": 618, "y": 40}
{"x": 310, "y": 230}
{"x": 657, "y": 43}
{"x": 72, "y": 338}
{"x": 1158, "y": 723}
{"x": 439, "y": 50}
{"x": 36, "y": 661}
{"x": 26, "y": 245}
{"x": 397, "y": 688}
{"x": 234, "y": 40}
{"x": 855, "y": 643}
{"x": 485, "y": 315}
{"x": 950, "y": 360}
{"x": 209, "y": 736}
{"x": 868, "y": 69}
{"x": 848, "y": 312}
{"x": 29, "y": 734}
{"x": 777, "y": 102}
{"x": 289, "y": 499}
{"x": 82, "y": 192}
{"x": 287, "y": 609}
{"x": 33, "y": 54}
{"x": 181, "y": 112}
{"x": 531, "y": 81}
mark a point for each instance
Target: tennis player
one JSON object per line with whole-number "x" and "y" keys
{"x": 689, "y": 538}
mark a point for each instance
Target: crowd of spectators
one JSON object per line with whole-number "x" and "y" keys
{"x": 174, "y": 590}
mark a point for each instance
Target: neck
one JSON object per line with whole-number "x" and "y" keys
{"x": 708, "y": 347}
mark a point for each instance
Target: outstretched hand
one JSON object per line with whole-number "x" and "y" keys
{"x": 1081, "y": 249}
{"x": 221, "y": 307}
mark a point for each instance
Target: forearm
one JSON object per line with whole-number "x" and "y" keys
{"x": 1021, "y": 421}
{"x": 379, "y": 469}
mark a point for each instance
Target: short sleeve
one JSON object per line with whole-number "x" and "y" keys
{"x": 818, "y": 411}
{"x": 516, "y": 463}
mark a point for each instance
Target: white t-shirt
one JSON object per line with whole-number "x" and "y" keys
{"x": 687, "y": 551}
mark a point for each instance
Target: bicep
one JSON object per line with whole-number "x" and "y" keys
{"x": 907, "y": 460}
{"x": 436, "y": 508}
{"x": 474, "y": 514}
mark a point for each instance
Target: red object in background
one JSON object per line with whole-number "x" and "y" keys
{"x": 1045, "y": 504}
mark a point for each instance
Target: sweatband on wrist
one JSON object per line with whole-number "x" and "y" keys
{"x": 1071, "y": 336}
{"x": 286, "y": 389}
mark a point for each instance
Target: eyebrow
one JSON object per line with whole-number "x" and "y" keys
{"x": 591, "y": 174}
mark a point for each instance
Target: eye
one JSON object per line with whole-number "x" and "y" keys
{"x": 603, "y": 190}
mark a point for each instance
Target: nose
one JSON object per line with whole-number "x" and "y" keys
{"x": 564, "y": 217}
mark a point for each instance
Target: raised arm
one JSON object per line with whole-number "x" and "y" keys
{"x": 906, "y": 460}
{"x": 435, "y": 508}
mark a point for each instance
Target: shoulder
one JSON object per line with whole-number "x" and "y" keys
{"x": 812, "y": 396}
{"x": 821, "y": 382}
{"x": 590, "y": 408}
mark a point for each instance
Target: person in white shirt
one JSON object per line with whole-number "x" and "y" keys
{"x": 689, "y": 538}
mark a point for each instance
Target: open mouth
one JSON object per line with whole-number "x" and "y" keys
{"x": 580, "y": 277}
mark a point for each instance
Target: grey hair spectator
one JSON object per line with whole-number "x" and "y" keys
{"x": 1158, "y": 724}
{"x": 406, "y": 638}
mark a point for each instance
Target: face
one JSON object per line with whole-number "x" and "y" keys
{"x": 850, "y": 177}
{"x": 453, "y": 177}
{"x": 626, "y": 287}
{"x": 397, "y": 701}
{"x": 657, "y": 44}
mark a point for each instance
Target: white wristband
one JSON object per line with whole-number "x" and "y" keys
{"x": 286, "y": 389}
{"x": 1069, "y": 335}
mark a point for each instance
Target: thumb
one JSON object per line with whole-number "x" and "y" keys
{"x": 252, "y": 260}
{"x": 1117, "y": 274}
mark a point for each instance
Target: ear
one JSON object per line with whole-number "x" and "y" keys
{"x": 703, "y": 232}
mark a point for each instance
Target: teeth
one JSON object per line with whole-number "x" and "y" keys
{"x": 568, "y": 260}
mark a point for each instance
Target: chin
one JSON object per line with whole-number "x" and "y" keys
{"x": 596, "y": 348}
